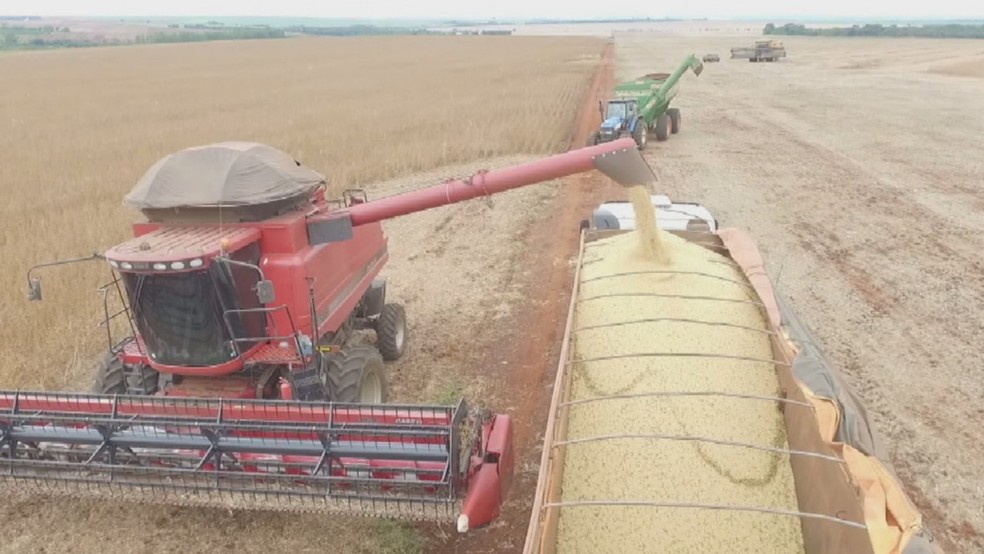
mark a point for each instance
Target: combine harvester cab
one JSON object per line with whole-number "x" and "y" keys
{"x": 642, "y": 107}
{"x": 237, "y": 382}
{"x": 619, "y": 471}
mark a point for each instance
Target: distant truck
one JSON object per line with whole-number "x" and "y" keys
{"x": 763, "y": 51}
{"x": 642, "y": 106}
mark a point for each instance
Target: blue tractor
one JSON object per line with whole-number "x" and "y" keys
{"x": 621, "y": 118}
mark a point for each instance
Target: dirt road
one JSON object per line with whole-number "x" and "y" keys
{"x": 856, "y": 165}
{"x": 535, "y": 331}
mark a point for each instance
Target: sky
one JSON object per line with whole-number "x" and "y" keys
{"x": 573, "y": 9}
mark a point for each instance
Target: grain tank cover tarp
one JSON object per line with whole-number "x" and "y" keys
{"x": 223, "y": 174}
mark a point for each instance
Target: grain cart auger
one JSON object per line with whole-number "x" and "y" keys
{"x": 642, "y": 106}
{"x": 237, "y": 384}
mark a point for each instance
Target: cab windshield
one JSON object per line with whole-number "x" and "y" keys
{"x": 617, "y": 109}
{"x": 185, "y": 318}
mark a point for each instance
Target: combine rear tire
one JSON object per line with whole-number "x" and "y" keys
{"x": 675, "y": 119}
{"x": 641, "y": 134}
{"x": 391, "y": 332}
{"x": 663, "y": 127}
{"x": 357, "y": 374}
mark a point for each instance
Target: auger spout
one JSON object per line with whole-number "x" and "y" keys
{"x": 692, "y": 62}
{"x": 500, "y": 180}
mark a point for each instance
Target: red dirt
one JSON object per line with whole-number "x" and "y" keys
{"x": 538, "y": 331}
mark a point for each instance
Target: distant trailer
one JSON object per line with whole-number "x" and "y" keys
{"x": 763, "y": 51}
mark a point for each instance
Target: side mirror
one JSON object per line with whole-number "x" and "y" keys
{"x": 264, "y": 291}
{"x": 34, "y": 289}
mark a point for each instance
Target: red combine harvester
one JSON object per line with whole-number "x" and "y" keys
{"x": 239, "y": 383}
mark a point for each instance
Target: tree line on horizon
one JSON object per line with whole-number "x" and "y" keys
{"x": 35, "y": 38}
{"x": 948, "y": 30}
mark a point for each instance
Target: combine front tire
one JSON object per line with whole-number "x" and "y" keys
{"x": 357, "y": 374}
{"x": 675, "y": 118}
{"x": 113, "y": 377}
{"x": 110, "y": 378}
{"x": 141, "y": 380}
{"x": 663, "y": 127}
{"x": 391, "y": 332}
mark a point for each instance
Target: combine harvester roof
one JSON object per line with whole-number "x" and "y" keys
{"x": 246, "y": 180}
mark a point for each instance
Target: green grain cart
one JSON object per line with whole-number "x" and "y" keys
{"x": 642, "y": 106}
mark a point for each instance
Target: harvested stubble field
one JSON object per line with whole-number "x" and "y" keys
{"x": 77, "y": 128}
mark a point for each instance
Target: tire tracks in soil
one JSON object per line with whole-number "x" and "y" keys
{"x": 533, "y": 338}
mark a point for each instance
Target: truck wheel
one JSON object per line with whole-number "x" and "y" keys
{"x": 641, "y": 134}
{"x": 391, "y": 332}
{"x": 594, "y": 138}
{"x": 357, "y": 374}
{"x": 675, "y": 119}
{"x": 663, "y": 130}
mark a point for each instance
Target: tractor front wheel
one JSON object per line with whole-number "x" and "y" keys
{"x": 663, "y": 127}
{"x": 641, "y": 134}
{"x": 594, "y": 138}
{"x": 391, "y": 332}
{"x": 357, "y": 374}
{"x": 675, "y": 119}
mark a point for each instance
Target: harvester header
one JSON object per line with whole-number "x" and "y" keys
{"x": 240, "y": 382}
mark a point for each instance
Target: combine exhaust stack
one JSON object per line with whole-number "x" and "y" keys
{"x": 396, "y": 461}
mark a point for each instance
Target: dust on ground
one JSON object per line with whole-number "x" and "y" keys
{"x": 857, "y": 169}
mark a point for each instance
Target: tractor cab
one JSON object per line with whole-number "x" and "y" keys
{"x": 616, "y": 117}
{"x": 195, "y": 293}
